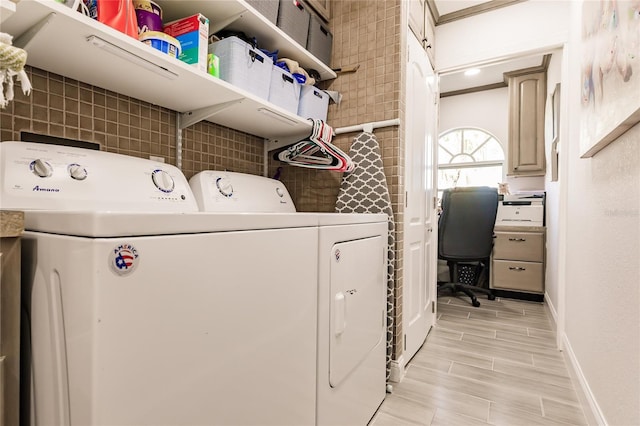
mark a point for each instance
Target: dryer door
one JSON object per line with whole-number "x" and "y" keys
{"x": 357, "y": 304}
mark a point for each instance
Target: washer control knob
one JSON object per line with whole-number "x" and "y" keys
{"x": 163, "y": 180}
{"x": 77, "y": 172}
{"x": 280, "y": 192}
{"x": 41, "y": 168}
{"x": 224, "y": 186}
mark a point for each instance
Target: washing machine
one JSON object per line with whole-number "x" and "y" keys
{"x": 351, "y": 285}
{"x": 140, "y": 310}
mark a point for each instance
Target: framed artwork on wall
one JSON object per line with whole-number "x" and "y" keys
{"x": 555, "y": 147}
{"x": 610, "y": 73}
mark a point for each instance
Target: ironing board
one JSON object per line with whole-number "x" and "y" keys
{"x": 365, "y": 190}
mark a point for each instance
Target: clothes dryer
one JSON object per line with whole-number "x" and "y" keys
{"x": 139, "y": 310}
{"x": 351, "y": 284}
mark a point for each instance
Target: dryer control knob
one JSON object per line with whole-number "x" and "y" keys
{"x": 41, "y": 168}
{"x": 224, "y": 186}
{"x": 163, "y": 180}
{"x": 77, "y": 172}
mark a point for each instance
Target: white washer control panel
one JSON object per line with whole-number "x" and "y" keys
{"x": 52, "y": 177}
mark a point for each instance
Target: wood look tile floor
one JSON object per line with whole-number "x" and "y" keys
{"x": 496, "y": 364}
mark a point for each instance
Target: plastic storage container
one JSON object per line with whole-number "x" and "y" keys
{"x": 267, "y": 8}
{"x": 161, "y": 41}
{"x": 243, "y": 66}
{"x": 313, "y": 103}
{"x": 293, "y": 19}
{"x": 285, "y": 90}
{"x": 319, "y": 40}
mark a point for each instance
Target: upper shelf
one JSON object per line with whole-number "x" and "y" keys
{"x": 251, "y": 22}
{"x": 63, "y": 41}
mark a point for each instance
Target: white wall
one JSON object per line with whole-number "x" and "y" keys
{"x": 554, "y": 74}
{"x": 602, "y": 331}
{"x": 487, "y": 110}
{"x": 522, "y": 28}
{"x": 599, "y": 205}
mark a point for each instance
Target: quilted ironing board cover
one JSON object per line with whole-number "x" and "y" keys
{"x": 365, "y": 190}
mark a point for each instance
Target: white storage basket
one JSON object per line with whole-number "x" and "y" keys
{"x": 284, "y": 90}
{"x": 313, "y": 103}
{"x": 243, "y": 66}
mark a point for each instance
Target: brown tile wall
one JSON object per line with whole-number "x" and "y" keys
{"x": 365, "y": 33}
{"x": 59, "y": 106}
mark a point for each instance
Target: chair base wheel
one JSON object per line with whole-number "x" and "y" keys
{"x": 475, "y": 303}
{"x": 491, "y": 297}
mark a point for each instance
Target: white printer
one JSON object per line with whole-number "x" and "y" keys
{"x": 521, "y": 209}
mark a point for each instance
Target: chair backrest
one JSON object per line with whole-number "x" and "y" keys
{"x": 465, "y": 227}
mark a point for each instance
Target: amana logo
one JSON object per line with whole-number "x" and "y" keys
{"x": 38, "y": 188}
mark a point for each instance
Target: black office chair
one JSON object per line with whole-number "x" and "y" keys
{"x": 465, "y": 235}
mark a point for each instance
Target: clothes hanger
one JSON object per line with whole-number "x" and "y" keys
{"x": 317, "y": 151}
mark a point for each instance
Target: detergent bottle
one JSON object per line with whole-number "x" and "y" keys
{"x": 118, "y": 14}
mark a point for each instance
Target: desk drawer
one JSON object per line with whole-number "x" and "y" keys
{"x": 518, "y": 276}
{"x": 526, "y": 246}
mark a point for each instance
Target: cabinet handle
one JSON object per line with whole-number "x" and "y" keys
{"x": 517, "y": 239}
{"x": 517, "y": 268}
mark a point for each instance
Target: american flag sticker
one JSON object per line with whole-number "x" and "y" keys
{"x": 123, "y": 259}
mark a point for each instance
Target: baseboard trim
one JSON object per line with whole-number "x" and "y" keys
{"x": 397, "y": 370}
{"x": 551, "y": 309}
{"x": 590, "y": 406}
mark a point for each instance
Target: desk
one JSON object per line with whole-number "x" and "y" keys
{"x": 11, "y": 227}
{"x": 518, "y": 259}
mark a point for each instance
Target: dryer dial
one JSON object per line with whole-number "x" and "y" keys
{"x": 224, "y": 186}
{"x": 41, "y": 168}
{"x": 163, "y": 180}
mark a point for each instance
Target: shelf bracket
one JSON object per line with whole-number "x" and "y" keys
{"x": 192, "y": 117}
{"x": 271, "y": 144}
{"x": 25, "y": 38}
{"x": 225, "y": 22}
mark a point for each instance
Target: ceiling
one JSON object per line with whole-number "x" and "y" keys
{"x": 491, "y": 74}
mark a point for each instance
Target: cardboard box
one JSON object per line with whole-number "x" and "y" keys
{"x": 192, "y": 32}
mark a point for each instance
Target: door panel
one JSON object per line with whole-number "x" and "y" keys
{"x": 419, "y": 256}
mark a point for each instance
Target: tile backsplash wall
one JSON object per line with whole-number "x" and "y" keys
{"x": 62, "y": 107}
{"x": 365, "y": 33}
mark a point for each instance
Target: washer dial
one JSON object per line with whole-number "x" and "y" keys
{"x": 41, "y": 168}
{"x": 77, "y": 172}
{"x": 163, "y": 180}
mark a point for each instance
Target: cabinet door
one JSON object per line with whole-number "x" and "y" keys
{"x": 322, "y": 8}
{"x": 429, "y": 42}
{"x": 526, "y": 124}
{"x": 417, "y": 18}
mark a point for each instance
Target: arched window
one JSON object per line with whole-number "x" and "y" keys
{"x": 469, "y": 157}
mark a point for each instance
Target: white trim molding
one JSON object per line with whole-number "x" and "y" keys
{"x": 590, "y": 407}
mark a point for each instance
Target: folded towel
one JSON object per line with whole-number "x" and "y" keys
{"x": 12, "y": 62}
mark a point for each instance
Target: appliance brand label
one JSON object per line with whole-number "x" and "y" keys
{"x": 39, "y": 188}
{"x": 123, "y": 259}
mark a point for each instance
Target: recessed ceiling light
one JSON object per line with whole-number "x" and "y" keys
{"x": 472, "y": 71}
